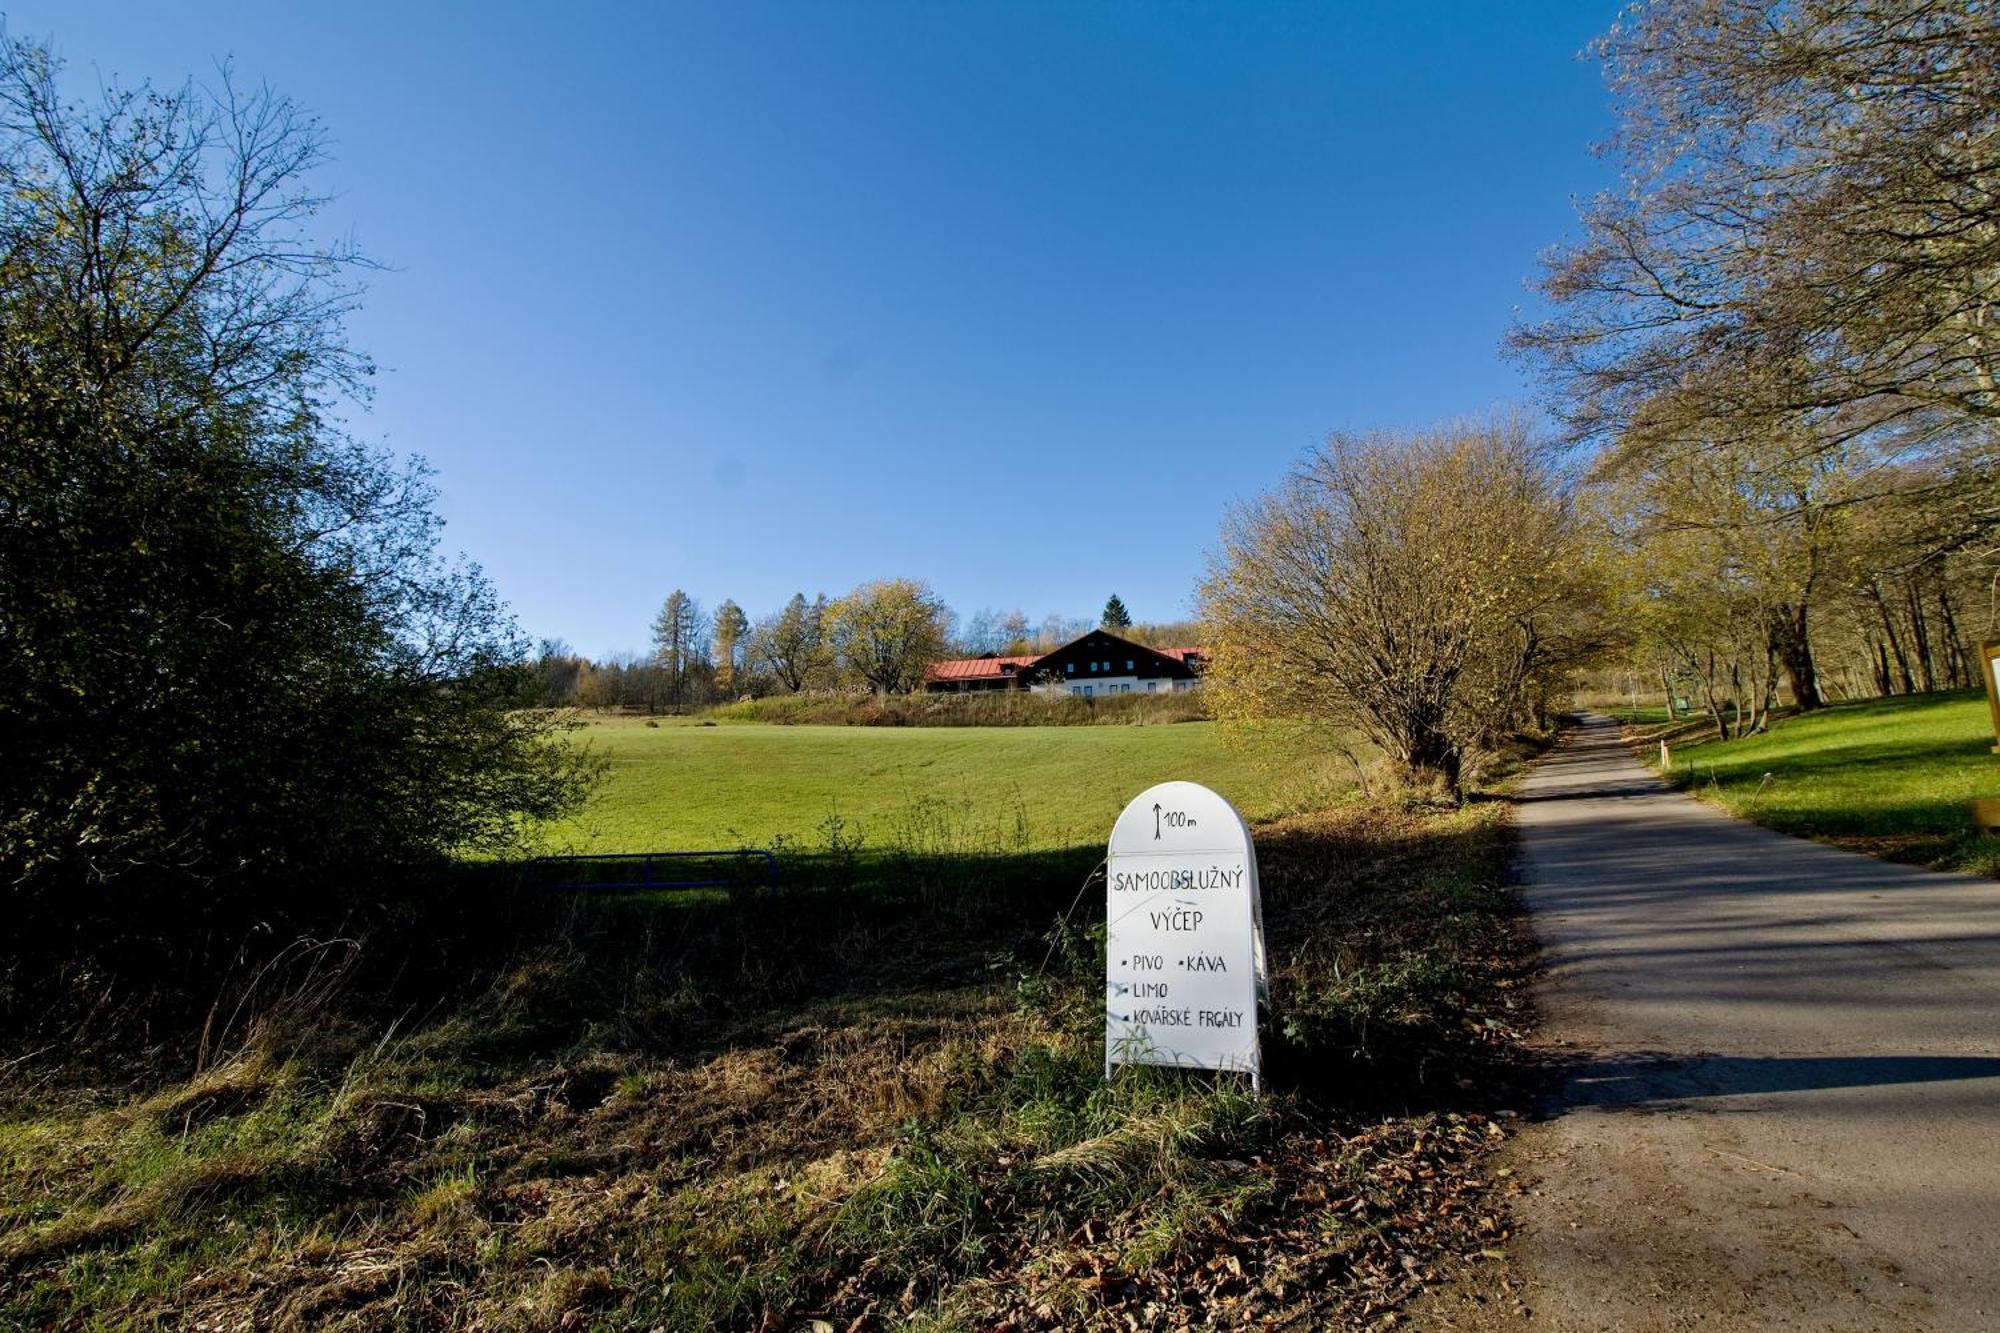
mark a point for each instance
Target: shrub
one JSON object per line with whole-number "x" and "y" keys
{"x": 234, "y": 675}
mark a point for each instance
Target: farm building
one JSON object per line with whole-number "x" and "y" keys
{"x": 1097, "y": 664}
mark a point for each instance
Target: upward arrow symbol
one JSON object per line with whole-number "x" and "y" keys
{"x": 1156, "y": 821}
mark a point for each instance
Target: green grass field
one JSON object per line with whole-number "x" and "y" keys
{"x": 1890, "y": 776}
{"x": 683, "y": 785}
{"x": 1645, "y": 715}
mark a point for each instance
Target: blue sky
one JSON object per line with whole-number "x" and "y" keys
{"x": 1015, "y": 298}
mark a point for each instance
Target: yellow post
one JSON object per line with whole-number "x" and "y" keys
{"x": 1986, "y": 811}
{"x": 1989, "y": 664}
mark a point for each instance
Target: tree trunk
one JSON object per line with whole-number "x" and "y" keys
{"x": 1667, "y": 684}
{"x": 1895, "y": 640}
{"x": 1762, "y": 722}
{"x": 1956, "y": 658}
{"x": 1432, "y": 754}
{"x": 1708, "y": 693}
{"x": 1920, "y": 639}
{"x": 1789, "y": 640}
{"x": 1879, "y": 659}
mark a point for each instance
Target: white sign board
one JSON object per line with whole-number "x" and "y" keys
{"x": 1184, "y": 962}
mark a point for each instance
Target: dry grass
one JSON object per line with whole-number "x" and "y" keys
{"x": 899, "y": 1121}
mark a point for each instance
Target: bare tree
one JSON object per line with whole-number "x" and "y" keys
{"x": 1422, "y": 588}
{"x": 1015, "y": 635}
{"x": 1805, "y": 245}
{"x": 792, "y": 644}
{"x": 1057, "y": 630}
{"x": 982, "y": 633}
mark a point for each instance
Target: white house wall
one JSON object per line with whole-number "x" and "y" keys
{"x": 1098, "y": 686}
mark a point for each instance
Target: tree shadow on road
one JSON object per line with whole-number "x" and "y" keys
{"x": 1652, "y": 1080}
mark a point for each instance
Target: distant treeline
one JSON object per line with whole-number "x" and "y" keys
{"x": 877, "y": 640}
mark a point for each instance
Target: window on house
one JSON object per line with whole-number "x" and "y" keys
{"x": 1070, "y": 667}
{"x": 1130, "y": 664}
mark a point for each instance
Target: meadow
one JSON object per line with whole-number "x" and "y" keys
{"x": 860, "y": 1101}
{"x": 683, "y": 784}
{"x": 1887, "y": 776}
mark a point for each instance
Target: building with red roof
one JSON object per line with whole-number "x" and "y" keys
{"x": 1098, "y": 664}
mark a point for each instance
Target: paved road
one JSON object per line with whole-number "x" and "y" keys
{"x": 1782, "y": 1099}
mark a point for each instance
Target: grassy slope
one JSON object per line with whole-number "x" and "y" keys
{"x": 1889, "y": 776}
{"x": 882, "y": 1109}
{"x": 998, "y": 708}
{"x": 1642, "y": 716}
{"x": 684, "y": 785}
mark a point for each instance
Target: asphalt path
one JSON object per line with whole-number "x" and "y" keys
{"x": 1779, "y": 1099}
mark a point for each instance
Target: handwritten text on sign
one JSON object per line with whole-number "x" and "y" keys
{"x": 1185, "y": 940}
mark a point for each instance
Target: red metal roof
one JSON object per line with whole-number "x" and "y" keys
{"x": 978, "y": 668}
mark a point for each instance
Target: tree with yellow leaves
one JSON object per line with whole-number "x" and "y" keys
{"x": 1427, "y": 589}
{"x": 888, "y": 632}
